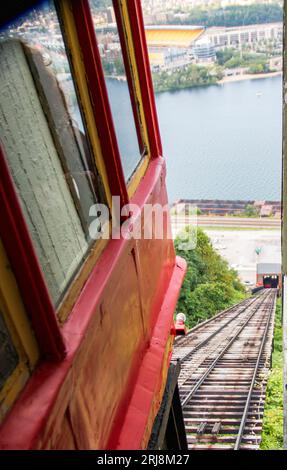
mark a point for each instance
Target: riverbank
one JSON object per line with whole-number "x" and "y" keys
{"x": 248, "y": 76}
{"x": 211, "y": 81}
{"x": 205, "y": 80}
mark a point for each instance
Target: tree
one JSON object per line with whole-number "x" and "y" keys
{"x": 187, "y": 77}
{"x": 224, "y": 55}
{"x": 233, "y": 15}
{"x": 250, "y": 211}
{"x": 209, "y": 285}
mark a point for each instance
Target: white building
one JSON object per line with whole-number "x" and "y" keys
{"x": 236, "y": 36}
{"x": 204, "y": 50}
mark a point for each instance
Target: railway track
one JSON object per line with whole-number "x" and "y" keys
{"x": 225, "y": 362}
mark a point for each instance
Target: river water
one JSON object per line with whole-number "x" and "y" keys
{"x": 223, "y": 141}
{"x": 220, "y": 141}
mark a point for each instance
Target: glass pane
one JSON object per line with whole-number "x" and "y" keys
{"x": 8, "y": 354}
{"x": 45, "y": 143}
{"x": 117, "y": 85}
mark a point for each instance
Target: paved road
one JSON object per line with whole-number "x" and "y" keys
{"x": 226, "y": 221}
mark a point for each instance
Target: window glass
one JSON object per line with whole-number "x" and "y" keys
{"x": 44, "y": 140}
{"x": 117, "y": 85}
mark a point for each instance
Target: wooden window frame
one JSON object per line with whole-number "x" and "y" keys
{"x": 18, "y": 245}
{"x": 19, "y": 329}
{"x": 80, "y": 39}
{"x": 135, "y": 52}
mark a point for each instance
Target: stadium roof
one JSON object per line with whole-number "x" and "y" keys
{"x": 172, "y": 36}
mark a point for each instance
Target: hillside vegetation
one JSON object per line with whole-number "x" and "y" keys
{"x": 187, "y": 77}
{"x": 210, "y": 284}
{"x": 272, "y": 436}
{"x": 255, "y": 63}
{"x": 233, "y": 15}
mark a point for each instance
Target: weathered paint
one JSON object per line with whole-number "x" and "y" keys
{"x": 143, "y": 69}
{"x": 84, "y": 30}
{"x": 46, "y": 200}
{"x": 117, "y": 338}
{"x": 20, "y": 251}
{"x": 14, "y": 315}
{"x": 80, "y": 76}
{"x": 10, "y": 294}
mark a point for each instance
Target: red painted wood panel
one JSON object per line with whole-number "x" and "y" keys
{"x": 118, "y": 331}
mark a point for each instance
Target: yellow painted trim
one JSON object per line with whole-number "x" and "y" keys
{"x": 79, "y": 74}
{"x": 14, "y": 310}
{"x": 81, "y": 82}
{"x": 12, "y": 388}
{"x": 15, "y": 317}
{"x": 138, "y": 175}
{"x": 140, "y": 171}
{"x": 69, "y": 300}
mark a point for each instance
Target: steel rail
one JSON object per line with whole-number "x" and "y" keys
{"x": 181, "y": 341}
{"x": 246, "y": 408}
{"x": 229, "y": 344}
{"x": 212, "y": 335}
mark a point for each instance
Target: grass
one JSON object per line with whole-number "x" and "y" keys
{"x": 272, "y": 435}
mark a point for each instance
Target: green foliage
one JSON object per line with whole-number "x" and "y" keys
{"x": 250, "y": 211}
{"x": 113, "y": 67}
{"x": 187, "y": 77}
{"x": 224, "y": 55}
{"x": 272, "y": 436}
{"x": 210, "y": 285}
{"x": 233, "y": 15}
{"x": 231, "y": 58}
{"x": 258, "y": 68}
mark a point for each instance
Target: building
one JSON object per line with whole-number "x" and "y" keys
{"x": 171, "y": 46}
{"x": 269, "y": 275}
{"x": 204, "y": 51}
{"x": 266, "y": 210}
{"x": 168, "y": 58}
{"x": 111, "y": 17}
{"x": 172, "y": 36}
{"x": 243, "y": 35}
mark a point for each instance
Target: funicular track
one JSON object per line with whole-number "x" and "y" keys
{"x": 225, "y": 362}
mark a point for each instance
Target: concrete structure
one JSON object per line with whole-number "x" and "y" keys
{"x": 204, "y": 51}
{"x": 168, "y": 58}
{"x": 269, "y": 275}
{"x": 111, "y": 17}
{"x": 176, "y": 46}
{"x": 236, "y": 36}
{"x": 171, "y": 46}
{"x": 230, "y": 207}
{"x": 266, "y": 211}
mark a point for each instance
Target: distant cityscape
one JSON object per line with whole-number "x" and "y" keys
{"x": 241, "y": 208}
{"x": 177, "y": 46}
{"x": 158, "y": 11}
{"x": 224, "y": 51}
